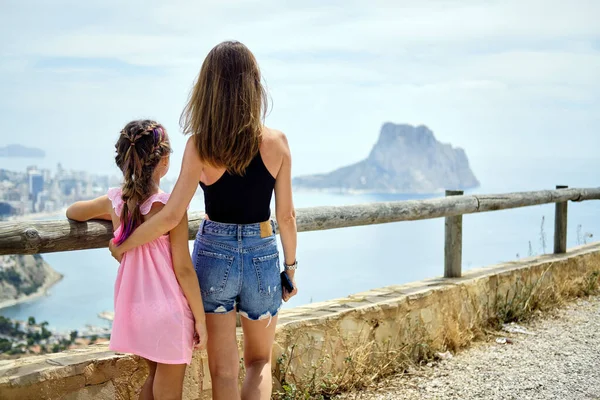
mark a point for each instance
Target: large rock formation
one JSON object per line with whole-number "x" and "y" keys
{"x": 23, "y": 277}
{"x": 405, "y": 159}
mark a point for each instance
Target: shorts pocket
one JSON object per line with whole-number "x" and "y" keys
{"x": 212, "y": 270}
{"x": 267, "y": 273}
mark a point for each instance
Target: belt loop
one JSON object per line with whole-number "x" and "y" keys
{"x": 239, "y": 233}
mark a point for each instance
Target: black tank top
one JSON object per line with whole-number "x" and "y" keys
{"x": 235, "y": 199}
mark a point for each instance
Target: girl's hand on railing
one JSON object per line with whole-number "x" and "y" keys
{"x": 288, "y": 295}
{"x": 114, "y": 251}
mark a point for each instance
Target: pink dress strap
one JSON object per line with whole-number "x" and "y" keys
{"x": 115, "y": 197}
{"x": 161, "y": 197}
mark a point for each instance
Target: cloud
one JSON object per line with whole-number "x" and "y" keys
{"x": 498, "y": 77}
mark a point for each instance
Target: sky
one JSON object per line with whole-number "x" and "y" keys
{"x": 505, "y": 80}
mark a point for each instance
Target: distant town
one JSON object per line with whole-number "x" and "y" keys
{"x": 36, "y": 190}
{"x": 23, "y": 338}
{"x": 43, "y": 191}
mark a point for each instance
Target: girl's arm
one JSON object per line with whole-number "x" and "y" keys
{"x": 186, "y": 275}
{"x": 170, "y": 216}
{"x": 285, "y": 212}
{"x": 98, "y": 208}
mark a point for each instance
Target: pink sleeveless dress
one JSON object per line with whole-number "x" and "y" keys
{"x": 152, "y": 316}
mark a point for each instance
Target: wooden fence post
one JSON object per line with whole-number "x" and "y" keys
{"x": 453, "y": 244}
{"x": 560, "y": 225}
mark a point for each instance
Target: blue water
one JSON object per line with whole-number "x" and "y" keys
{"x": 340, "y": 262}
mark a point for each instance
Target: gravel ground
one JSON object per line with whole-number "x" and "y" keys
{"x": 558, "y": 359}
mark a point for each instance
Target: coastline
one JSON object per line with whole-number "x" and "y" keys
{"x": 52, "y": 278}
{"x": 358, "y": 192}
{"x": 38, "y": 216}
{"x": 353, "y": 192}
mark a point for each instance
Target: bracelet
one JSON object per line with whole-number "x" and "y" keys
{"x": 290, "y": 267}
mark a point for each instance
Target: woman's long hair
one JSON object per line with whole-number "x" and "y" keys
{"x": 226, "y": 108}
{"x": 140, "y": 148}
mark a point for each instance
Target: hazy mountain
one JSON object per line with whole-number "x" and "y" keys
{"x": 405, "y": 159}
{"x": 16, "y": 150}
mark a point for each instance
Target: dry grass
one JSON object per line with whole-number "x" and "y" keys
{"x": 354, "y": 363}
{"x": 363, "y": 363}
{"x": 544, "y": 294}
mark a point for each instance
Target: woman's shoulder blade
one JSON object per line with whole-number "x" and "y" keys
{"x": 273, "y": 149}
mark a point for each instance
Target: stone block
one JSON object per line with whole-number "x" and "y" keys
{"x": 319, "y": 338}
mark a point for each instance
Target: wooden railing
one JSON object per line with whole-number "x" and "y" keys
{"x": 31, "y": 237}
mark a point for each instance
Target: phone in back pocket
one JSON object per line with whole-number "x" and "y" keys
{"x": 286, "y": 282}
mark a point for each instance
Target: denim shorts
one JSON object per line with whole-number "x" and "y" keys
{"x": 238, "y": 269}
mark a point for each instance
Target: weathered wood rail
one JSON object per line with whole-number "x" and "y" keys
{"x": 31, "y": 237}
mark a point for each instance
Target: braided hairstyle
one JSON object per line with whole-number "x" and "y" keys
{"x": 141, "y": 146}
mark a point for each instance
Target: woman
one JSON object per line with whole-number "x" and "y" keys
{"x": 239, "y": 163}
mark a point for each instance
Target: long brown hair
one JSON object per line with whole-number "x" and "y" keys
{"x": 226, "y": 108}
{"x": 140, "y": 148}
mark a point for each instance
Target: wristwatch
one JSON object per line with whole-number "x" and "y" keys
{"x": 291, "y": 267}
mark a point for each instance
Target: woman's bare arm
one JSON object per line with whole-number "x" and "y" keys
{"x": 186, "y": 275}
{"x": 285, "y": 212}
{"x": 170, "y": 216}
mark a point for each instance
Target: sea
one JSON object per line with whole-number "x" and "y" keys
{"x": 340, "y": 262}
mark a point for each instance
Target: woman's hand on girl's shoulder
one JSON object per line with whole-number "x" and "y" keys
{"x": 114, "y": 251}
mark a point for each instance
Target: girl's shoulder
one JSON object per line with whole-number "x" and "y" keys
{"x": 116, "y": 199}
{"x": 115, "y": 195}
{"x": 160, "y": 197}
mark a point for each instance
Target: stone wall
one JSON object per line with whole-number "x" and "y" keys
{"x": 329, "y": 342}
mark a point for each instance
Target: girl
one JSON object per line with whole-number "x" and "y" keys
{"x": 239, "y": 163}
{"x": 154, "y": 314}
